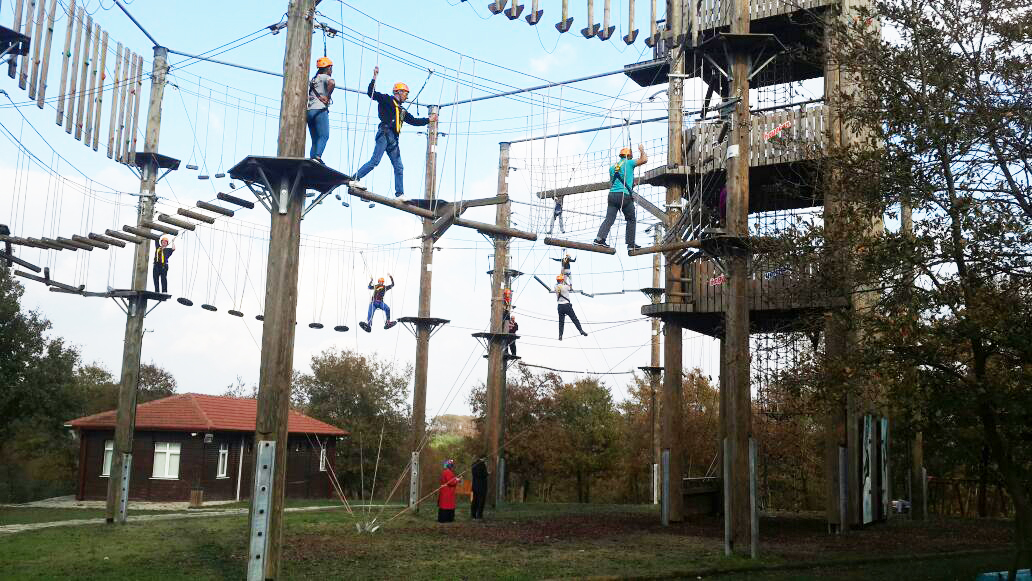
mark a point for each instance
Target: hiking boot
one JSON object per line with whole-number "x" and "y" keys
{"x": 633, "y": 246}
{"x": 583, "y": 333}
{"x": 318, "y": 160}
{"x": 399, "y": 194}
{"x": 601, "y": 243}
{"x": 365, "y": 327}
{"x": 356, "y": 184}
{"x": 389, "y": 324}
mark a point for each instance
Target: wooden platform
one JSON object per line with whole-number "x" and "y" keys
{"x": 270, "y": 171}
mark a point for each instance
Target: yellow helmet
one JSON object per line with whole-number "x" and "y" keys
{"x": 401, "y": 87}
{"x": 625, "y": 152}
{"x": 323, "y": 62}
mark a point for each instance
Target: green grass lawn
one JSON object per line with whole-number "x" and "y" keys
{"x": 521, "y": 542}
{"x": 17, "y": 515}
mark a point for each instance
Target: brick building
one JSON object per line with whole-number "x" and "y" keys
{"x": 193, "y": 440}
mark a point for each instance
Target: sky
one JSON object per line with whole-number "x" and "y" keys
{"x": 215, "y": 115}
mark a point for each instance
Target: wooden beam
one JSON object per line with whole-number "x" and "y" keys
{"x": 65, "y": 55}
{"x": 652, "y": 209}
{"x": 580, "y": 245}
{"x": 124, "y": 236}
{"x": 47, "y": 281}
{"x": 235, "y": 200}
{"x": 665, "y": 247}
{"x": 11, "y": 258}
{"x": 106, "y": 240}
{"x": 195, "y": 215}
{"x": 213, "y": 208}
{"x": 45, "y": 63}
{"x": 177, "y": 222}
{"x": 159, "y": 227}
{"x": 141, "y": 232}
{"x": 492, "y": 201}
{"x": 580, "y": 189}
{"x": 86, "y": 240}
{"x": 75, "y": 243}
{"x": 495, "y": 229}
{"x": 391, "y": 202}
{"x": 60, "y": 244}
{"x": 47, "y": 244}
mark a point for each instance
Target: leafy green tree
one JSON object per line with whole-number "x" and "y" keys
{"x": 589, "y": 432}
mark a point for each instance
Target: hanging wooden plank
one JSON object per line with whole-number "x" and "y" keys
{"x": 177, "y": 222}
{"x": 101, "y": 79}
{"x": 92, "y": 98}
{"x": 123, "y": 83}
{"x": 64, "y": 66}
{"x": 38, "y": 27}
{"x": 25, "y": 60}
{"x": 124, "y": 236}
{"x": 12, "y": 65}
{"x": 136, "y": 108}
{"x": 130, "y": 98}
{"x": 213, "y": 208}
{"x": 73, "y": 72}
{"x": 106, "y": 240}
{"x": 159, "y": 227}
{"x": 114, "y": 102}
{"x": 83, "y": 77}
{"x": 195, "y": 215}
{"x": 45, "y": 63}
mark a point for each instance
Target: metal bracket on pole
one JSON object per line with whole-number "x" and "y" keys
{"x": 261, "y": 509}
{"x": 664, "y": 509}
{"x": 414, "y": 481}
{"x": 123, "y": 502}
{"x": 754, "y": 540}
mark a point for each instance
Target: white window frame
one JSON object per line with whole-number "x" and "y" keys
{"x": 165, "y": 450}
{"x": 222, "y": 471}
{"x": 107, "y": 459}
{"x": 322, "y": 458}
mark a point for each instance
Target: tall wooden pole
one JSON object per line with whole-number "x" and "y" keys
{"x": 496, "y": 349}
{"x": 423, "y": 331}
{"x": 277, "y": 361}
{"x": 671, "y": 411}
{"x": 118, "y": 483}
{"x": 737, "y": 414}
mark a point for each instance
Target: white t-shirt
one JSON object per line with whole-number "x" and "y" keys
{"x": 562, "y": 293}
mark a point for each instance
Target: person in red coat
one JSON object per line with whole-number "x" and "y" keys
{"x": 446, "y": 494}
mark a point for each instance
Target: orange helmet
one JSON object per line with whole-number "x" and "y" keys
{"x": 625, "y": 152}
{"x": 380, "y": 281}
{"x": 401, "y": 87}
{"x": 507, "y": 295}
{"x": 323, "y": 62}
{"x": 560, "y": 278}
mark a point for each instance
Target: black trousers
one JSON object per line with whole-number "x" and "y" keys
{"x": 160, "y": 274}
{"x": 566, "y": 310}
{"x": 476, "y": 507}
{"x": 512, "y": 348}
{"x": 618, "y": 202}
{"x": 445, "y": 515}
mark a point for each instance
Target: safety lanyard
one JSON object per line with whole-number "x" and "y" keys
{"x": 397, "y": 116}
{"x": 159, "y": 256}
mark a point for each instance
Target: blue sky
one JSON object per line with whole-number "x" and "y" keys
{"x": 215, "y": 115}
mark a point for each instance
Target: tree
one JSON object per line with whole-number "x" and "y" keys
{"x": 366, "y": 396}
{"x": 945, "y": 117}
{"x": 155, "y": 383}
{"x": 589, "y": 431}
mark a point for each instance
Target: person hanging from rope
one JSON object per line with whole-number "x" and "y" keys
{"x": 162, "y": 252}
{"x": 513, "y": 327}
{"x": 562, "y": 296}
{"x": 379, "y": 290}
{"x": 621, "y": 195}
{"x": 392, "y": 116}
{"x": 446, "y": 492}
{"x": 566, "y": 270}
{"x": 557, "y": 213}
{"x": 320, "y": 87}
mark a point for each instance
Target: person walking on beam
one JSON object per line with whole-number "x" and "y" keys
{"x": 162, "y": 253}
{"x": 320, "y": 87}
{"x": 379, "y": 290}
{"x": 392, "y": 116}
{"x": 562, "y": 296}
{"x": 621, "y": 195}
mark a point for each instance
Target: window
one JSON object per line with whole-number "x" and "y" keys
{"x": 223, "y": 461}
{"x": 322, "y": 459}
{"x": 109, "y": 452}
{"x": 166, "y": 460}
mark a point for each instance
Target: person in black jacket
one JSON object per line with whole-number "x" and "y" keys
{"x": 392, "y": 116}
{"x": 160, "y": 270}
{"x": 479, "y": 469}
{"x": 513, "y": 327}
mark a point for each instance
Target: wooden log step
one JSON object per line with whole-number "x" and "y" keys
{"x": 580, "y": 245}
{"x": 159, "y": 227}
{"x": 176, "y": 222}
{"x": 124, "y": 236}
{"x": 107, "y": 240}
{"x": 213, "y": 208}
{"x": 86, "y": 240}
{"x": 4, "y": 256}
{"x": 48, "y": 245}
{"x": 196, "y": 216}
{"x": 60, "y": 244}
{"x": 141, "y": 232}
{"x": 235, "y": 200}
{"x": 673, "y": 246}
{"x": 75, "y": 243}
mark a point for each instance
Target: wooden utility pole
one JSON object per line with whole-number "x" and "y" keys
{"x": 121, "y": 459}
{"x": 496, "y": 348}
{"x": 277, "y": 361}
{"x": 423, "y": 330}
{"x": 672, "y": 337}
{"x": 736, "y": 416}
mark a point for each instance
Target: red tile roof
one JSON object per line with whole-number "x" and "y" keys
{"x": 194, "y": 412}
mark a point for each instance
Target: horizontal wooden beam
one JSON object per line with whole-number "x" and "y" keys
{"x": 213, "y": 208}
{"x": 106, "y": 240}
{"x": 5, "y": 256}
{"x": 47, "y": 281}
{"x": 177, "y": 222}
{"x": 124, "y": 236}
{"x": 390, "y": 202}
{"x": 61, "y": 244}
{"x": 159, "y": 227}
{"x": 494, "y": 229}
{"x": 195, "y": 215}
{"x": 653, "y": 209}
{"x": 75, "y": 243}
{"x": 580, "y": 189}
{"x": 494, "y": 201}
{"x": 141, "y": 232}
{"x": 47, "y": 244}
{"x": 673, "y": 246}
{"x": 580, "y": 245}
{"x": 86, "y": 240}
{"x": 235, "y": 200}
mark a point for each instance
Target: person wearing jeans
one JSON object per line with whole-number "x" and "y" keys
{"x": 392, "y": 116}
{"x": 320, "y": 87}
{"x": 621, "y": 196}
